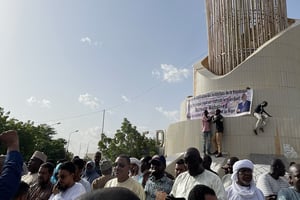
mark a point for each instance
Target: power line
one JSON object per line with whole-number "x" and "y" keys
{"x": 103, "y": 110}
{"x": 188, "y": 63}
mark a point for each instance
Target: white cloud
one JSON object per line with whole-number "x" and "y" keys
{"x": 86, "y": 40}
{"x": 89, "y": 41}
{"x": 125, "y": 98}
{"x": 94, "y": 132}
{"x": 170, "y": 73}
{"x": 45, "y": 103}
{"x": 31, "y": 100}
{"x": 156, "y": 73}
{"x": 171, "y": 115}
{"x": 89, "y": 100}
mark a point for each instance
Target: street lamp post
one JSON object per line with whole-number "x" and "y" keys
{"x": 70, "y": 137}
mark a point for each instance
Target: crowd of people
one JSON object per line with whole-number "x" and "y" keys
{"x": 145, "y": 178}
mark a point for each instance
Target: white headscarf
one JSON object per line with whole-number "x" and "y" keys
{"x": 241, "y": 192}
{"x": 134, "y": 160}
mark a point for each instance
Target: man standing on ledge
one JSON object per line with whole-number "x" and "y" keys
{"x": 206, "y": 119}
{"x": 217, "y": 138}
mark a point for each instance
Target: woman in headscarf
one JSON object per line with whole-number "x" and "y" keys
{"x": 54, "y": 178}
{"x": 243, "y": 186}
{"x": 90, "y": 173}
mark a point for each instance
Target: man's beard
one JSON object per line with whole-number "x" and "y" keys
{"x": 63, "y": 188}
{"x": 43, "y": 184}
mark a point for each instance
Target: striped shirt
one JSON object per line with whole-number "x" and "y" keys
{"x": 268, "y": 185}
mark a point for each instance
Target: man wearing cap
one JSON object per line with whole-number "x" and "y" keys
{"x": 106, "y": 169}
{"x": 43, "y": 188}
{"x": 158, "y": 182}
{"x": 195, "y": 175}
{"x": 226, "y": 179}
{"x": 122, "y": 167}
{"x": 36, "y": 160}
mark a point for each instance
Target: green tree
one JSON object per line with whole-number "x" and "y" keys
{"x": 33, "y": 137}
{"x": 127, "y": 140}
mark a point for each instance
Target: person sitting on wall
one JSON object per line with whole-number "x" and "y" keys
{"x": 261, "y": 116}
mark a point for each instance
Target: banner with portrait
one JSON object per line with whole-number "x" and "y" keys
{"x": 232, "y": 103}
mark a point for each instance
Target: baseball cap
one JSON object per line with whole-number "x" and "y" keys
{"x": 158, "y": 160}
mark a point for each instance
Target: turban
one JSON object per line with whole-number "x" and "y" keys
{"x": 239, "y": 165}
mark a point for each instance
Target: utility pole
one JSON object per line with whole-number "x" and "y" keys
{"x": 69, "y": 138}
{"x": 103, "y": 118}
{"x": 87, "y": 149}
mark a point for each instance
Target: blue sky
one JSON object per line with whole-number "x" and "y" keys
{"x": 66, "y": 61}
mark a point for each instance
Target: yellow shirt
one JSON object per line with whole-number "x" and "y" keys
{"x": 130, "y": 184}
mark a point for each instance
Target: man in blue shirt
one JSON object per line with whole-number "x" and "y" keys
{"x": 158, "y": 183}
{"x": 243, "y": 106}
{"x": 12, "y": 168}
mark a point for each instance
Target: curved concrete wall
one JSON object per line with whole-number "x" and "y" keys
{"x": 273, "y": 72}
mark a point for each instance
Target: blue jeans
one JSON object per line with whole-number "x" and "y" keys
{"x": 206, "y": 141}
